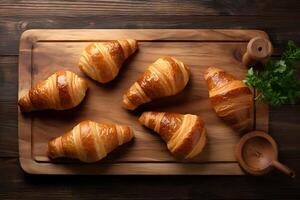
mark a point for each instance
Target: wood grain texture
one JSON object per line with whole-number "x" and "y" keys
{"x": 31, "y": 37}
{"x": 8, "y": 112}
{"x": 280, "y": 27}
{"x": 279, "y": 19}
{"x": 41, "y": 54}
{"x": 133, "y": 7}
{"x": 13, "y": 28}
{"x": 17, "y": 185}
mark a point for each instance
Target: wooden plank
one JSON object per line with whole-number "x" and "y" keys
{"x": 8, "y": 109}
{"x": 17, "y": 17}
{"x": 18, "y": 185}
{"x": 280, "y": 28}
{"x": 147, "y": 35}
{"x": 140, "y": 8}
{"x": 284, "y": 128}
{"x": 139, "y": 168}
{"x": 41, "y": 55}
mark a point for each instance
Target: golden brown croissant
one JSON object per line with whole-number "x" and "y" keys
{"x": 184, "y": 134}
{"x": 165, "y": 77}
{"x": 102, "y": 60}
{"x": 89, "y": 141}
{"x": 231, "y": 99}
{"x": 62, "y": 90}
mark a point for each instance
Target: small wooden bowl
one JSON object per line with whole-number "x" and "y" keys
{"x": 257, "y": 154}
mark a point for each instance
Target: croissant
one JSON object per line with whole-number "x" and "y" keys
{"x": 231, "y": 99}
{"x": 165, "y": 77}
{"x": 89, "y": 141}
{"x": 102, "y": 60}
{"x": 62, "y": 90}
{"x": 185, "y": 135}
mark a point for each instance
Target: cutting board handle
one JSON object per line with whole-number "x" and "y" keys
{"x": 258, "y": 50}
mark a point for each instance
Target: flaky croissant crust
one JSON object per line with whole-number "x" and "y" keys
{"x": 62, "y": 90}
{"x": 165, "y": 77}
{"x": 102, "y": 60}
{"x": 89, "y": 141}
{"x": 185, "y": 135}
{"x": 231, "y": 99}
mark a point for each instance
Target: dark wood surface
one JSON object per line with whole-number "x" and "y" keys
{"x": 280, "y": 19}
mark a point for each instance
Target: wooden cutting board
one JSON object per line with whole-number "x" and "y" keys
{"x": 42, "y": 52}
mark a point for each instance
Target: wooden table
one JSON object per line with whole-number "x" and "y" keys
{"x": 280, "y": 19}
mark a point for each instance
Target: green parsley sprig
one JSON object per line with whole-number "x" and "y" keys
{"x": 276, "y": 82}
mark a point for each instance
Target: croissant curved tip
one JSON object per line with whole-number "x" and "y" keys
{"x": 52, "y": 150}
{"x": 211, "y": 70}
{"x": 127, "y": 134}
{"x": 133, "y": 43}
{"x": 142, "y": 117}
{"x": 25, "y": 104}
{"x": 129, "y": 46}
{"x": 127, "y": 104}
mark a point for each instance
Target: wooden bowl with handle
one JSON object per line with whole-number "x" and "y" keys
{"x": 257, "y": 154}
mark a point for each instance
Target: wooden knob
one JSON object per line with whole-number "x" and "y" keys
{"x": 258, "y": 50}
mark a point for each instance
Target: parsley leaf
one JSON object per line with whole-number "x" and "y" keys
{"x": 277, "y": 83}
